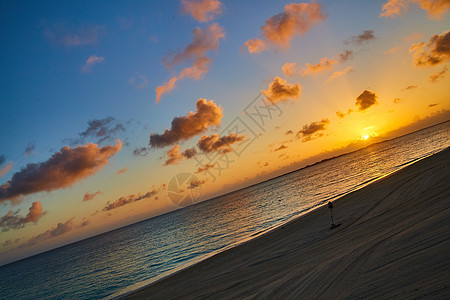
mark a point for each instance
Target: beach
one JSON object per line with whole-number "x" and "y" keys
{"x": 393, "y": 242}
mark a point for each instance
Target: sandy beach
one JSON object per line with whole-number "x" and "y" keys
{"x": 394, "y": 242}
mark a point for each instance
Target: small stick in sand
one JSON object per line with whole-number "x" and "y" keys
{"x": 330, "y": 207}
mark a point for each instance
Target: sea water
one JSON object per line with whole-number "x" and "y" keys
{"x": 122, "y": 260}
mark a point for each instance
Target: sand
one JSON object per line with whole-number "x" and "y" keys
{"x": 394, "y": 242}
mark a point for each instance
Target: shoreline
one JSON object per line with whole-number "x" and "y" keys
{"x": 227, "y": 256}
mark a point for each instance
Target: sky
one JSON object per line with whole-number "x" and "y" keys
{"x": 115, "y": 113}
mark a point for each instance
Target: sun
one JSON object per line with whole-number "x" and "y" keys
{"x": 365, "y": 137}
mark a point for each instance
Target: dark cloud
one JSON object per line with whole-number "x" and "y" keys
{"x": 360, "y": 39}
{"x": 436, "y": 51}
{"x": 29, "y": 149}
{"x": 346, "y": 55}
{"x": 62, "y": 35}
{"x": 216, "y": 143}
{"x": 433, "y": 104}
{"x": 185, "y": 127}
{"x": 366, "y": 100}
{"x": 436, "y": 76}
{"x": 288, "y": 132}
{"x": 99, "y": 131}
{"x": 312, "y": 130}
{"x": 132, "y": 198}
{"x": 62, "y": 170}
{"x": 2, "y": 159}
{"x": 189, "y": 153}
{"x": 282, "y": 147}
{"x": 296, "y": 19}
{"x": 280, "y": 90}
{"x": 196, "y": 183}
{"x": 12, "y": 220}
{"x": 205, "y": 168}
{"x": 90, "y": 196}
{"x": 202, "y": 10}
{"x": 141, "y": 151}
{"x": 60, "y": 229}
{"x": 411, "y": 87}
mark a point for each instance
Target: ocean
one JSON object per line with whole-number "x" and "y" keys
{"x": 122, "y": 260}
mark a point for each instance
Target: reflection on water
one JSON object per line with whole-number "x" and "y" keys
{"x": 112, "y": 262}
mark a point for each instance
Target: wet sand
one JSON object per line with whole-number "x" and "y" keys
{"x": 394, "y": 242}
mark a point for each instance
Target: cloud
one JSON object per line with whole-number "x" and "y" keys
{"x": 103, "y": 130}
{"x": 312, "y": 130}
{"x": 366, "y": 100}
{"x": 411, "y": 87}
{"x": 433, "y": 104}
{"x": 60, "y": 34}
{"x": 189, "y": 153}
{"x": 340, "y": 73}
{"x": 132, "y": 198}
{"x": 143, "y": 82}
{"x": 282, "y": 147}
{"x": 280, "y": 90}
{"x": 204, "y": 40}
{"x": 296, "y": 19}
{"x": 289, "y": 132}
{"x": 13, "y": 221}
{"x": 214, "y": 143}
{"x": 88, "y": 196}
{"x": 60, "y": 229}
{"x": 255, "y": 46}
{"x": 2, "y": 159}
{"x": 29, "y": 149}
{"x": 121, "y": 171}
{"x": 173, "y": 156}
{"x": 397, "y": 100}
{"x": 436, "y": 76}
{"x": 435, "y": 8}
{"x": 392, "y": 50}
{"x": 346, "y": 55}
{"x": 185, "y": 127}
{"x": 412, "y": 37}
{"x": 196, "y": 183}
{"x": 289, "y": 69}
{"x": 436, "y": 51}
{"x": 202, "y": 10}
{"x": 324, "y": 64}
{"x": 62, "y": 170}
{"x": 5, "y": 169}
{"x": 92, "y": 60}
{"x": 360, "y": 39}
{"x": 141, "y": 151}
{"x": 205, "y": 168}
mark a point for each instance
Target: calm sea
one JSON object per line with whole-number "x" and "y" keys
{"x": 122, "y": 260}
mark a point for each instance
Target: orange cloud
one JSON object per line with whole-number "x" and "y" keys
{"x": 205, "y": 168}
{"x": 204, "y": 40}
{"x": 435, "y": 8}
{"x": 92, "y": 60}
{"x": 255, "y": 46}
{"x": 88, "y": 196}
{"x": 392, "y": 50}
{"x": 296, "y": 19}
{"x": 280, "y": 90}
{"x": 196, "y": 183}
{"x": 123, "y": 170}
{"x": 214, "y": 143}
{"x": 132, "y": 198}
{"x": 62, "y": 170}
{"x": 324, "y": 64}
{"x": 173, "y": 156}
{"x": 340, "y": 73}
{"x": 194, "y": 123}
{"x": 436, "y": 76}
{"x": 5, "y": 169}
{"x": 282, "y": 147}
{"x": 202, "y": 10}
{"x": 289, "y": 69}
{"x": 12, "y": 221}
{"x": 312, "y": 130}
{"x": 436, "y": 51}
